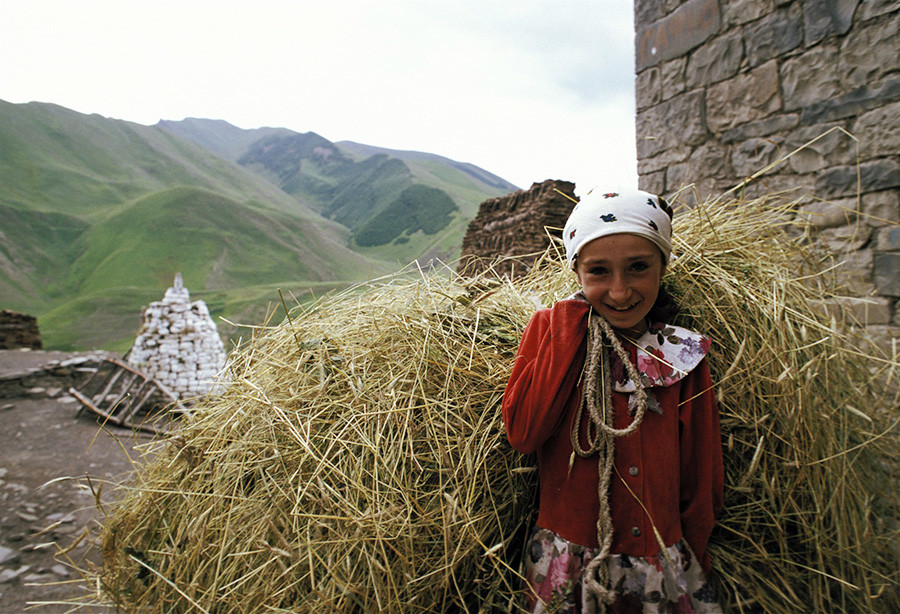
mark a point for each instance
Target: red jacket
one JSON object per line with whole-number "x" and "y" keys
{"x": 672, "y": 463}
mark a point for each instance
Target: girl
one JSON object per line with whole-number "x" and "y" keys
{"x": 619, "y": 406}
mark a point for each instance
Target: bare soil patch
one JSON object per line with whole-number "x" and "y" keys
{"x": 54, "y": 469}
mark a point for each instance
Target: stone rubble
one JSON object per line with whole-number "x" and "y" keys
{"x": 51, "y": 379}
{"x": 19, "y": 330}
{"x": 516, "y": 226}
{"x": 179, "y": 344}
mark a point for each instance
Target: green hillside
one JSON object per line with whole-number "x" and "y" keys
{"x": 54, "y": 159}
{"x": 358, "y": 185}
{"x": 216, "y": 243}
{"x": 99, "y": 214}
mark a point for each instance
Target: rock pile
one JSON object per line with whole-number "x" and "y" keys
{"x": 179, "y": 345}
{"x": 516, "y": 225}
{"x": 19, "y": 330}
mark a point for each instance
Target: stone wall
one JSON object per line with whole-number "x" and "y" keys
{"x": 516, "y": 226}
{"x": 19, "y": 330}
{"x": 727, "y": 87}
{"x": 52, "y": 378}
{"x": 179, "y": 345}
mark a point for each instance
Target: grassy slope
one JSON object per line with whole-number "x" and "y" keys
{"x": 99, "y": 214}
{"x": 466, "y": 184}
{"x": 356, "y": 182}
{"x": 232, "y": 256}
{"x": 218, "y": 136}
{"x": 55, "y": 159}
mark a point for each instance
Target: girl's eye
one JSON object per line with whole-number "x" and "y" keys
{"x": 639, "y": 266}
{"x": 598, "y": 270}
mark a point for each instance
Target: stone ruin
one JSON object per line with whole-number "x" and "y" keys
{"x": 19, "y": 330}
{"x": 510, "y": 232}
{"x": 179, "y": 345}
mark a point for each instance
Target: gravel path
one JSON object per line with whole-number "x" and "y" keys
{"x": 53, "y": 466}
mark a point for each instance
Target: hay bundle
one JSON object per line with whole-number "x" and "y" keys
{"x": 358, "y": 463}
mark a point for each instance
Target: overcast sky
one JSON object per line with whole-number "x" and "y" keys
{"x": 527, "y": 89}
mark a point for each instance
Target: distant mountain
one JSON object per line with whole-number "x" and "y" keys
{"x": 97, "y": 215}
{"x": 360, "y": 186}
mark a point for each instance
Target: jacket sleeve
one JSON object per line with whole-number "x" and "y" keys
{"x": 702, "y": 473}
{"x": 547, "y": 368}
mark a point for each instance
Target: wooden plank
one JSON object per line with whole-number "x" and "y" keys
{"x": 115, "y": 403}
{"x": 131, "y": 388}
{"x": 114, "y": 377}
{"x": 90, "y": 405}
{"x": 87, "y": 402}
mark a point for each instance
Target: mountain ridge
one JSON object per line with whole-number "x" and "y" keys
{"x": 100, "y": 213}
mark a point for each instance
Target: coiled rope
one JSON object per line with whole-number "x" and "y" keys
{"x": 600, "y": 437}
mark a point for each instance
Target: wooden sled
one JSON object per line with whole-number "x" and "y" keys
{"x": 125, "y": 396}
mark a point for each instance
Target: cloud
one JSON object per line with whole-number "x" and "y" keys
{"x": 527, "y": 89}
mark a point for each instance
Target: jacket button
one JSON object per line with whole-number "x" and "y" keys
{"x": 635, "y": 531}
{"x": 633, "y": 470}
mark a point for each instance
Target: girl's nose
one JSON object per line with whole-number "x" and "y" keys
{"x": 618, "y": 289}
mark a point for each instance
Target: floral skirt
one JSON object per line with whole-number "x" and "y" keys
{"x": 670, "y": 583}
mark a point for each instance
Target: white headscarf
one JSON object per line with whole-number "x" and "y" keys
{"x": 634, "y": 212}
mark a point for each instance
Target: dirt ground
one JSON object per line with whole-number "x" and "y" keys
{"x": 54, "y": 468}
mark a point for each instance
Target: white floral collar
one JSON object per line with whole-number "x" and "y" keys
{"x": 665, "y": 354}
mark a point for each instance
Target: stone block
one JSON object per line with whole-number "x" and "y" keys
{"x": 707, "y": 168}
{"x": 677, "y": 33}
{"x": 876, "y": 8}
{"x": 881, "y": 207}
{"x": 648, "y": 11}
{"x": 810, "y": 78}
{"x": 763, "y": 127}
{"x": 831, "y": 142}
{"x": 869, "y": 52}
{"x": 695, "y": 190}
{"x": 715, "y": 61}
{"x": 829, "y": 214}
{"x": 711, "y": 159}
{"x": 674, "y": 81}
{"x": 886, "y": 337}
{"x": 858, "y": 311}
{"x": 774, "y": 35}
{"x": 747, "y": 97}
{"x": 886, "y": 273}
{"x": 872, "y": 176}
{"x": 739, "y": 12}
{"x": 854, "y": 272}
{"x": 845, "y": 239}
{"x": 824, "y": 18}
{"x": 647, "y": 88}
{"x": 888, "y": 239}
{"x": 668, "y": 157}
{"x": 798, "y": 186}
{"x": 679, "y": 121}
{"x": 852, "y": 103}
{"x": 752, "y": 155}
{"x": 807, "y": 160}
{"x": 878, "y": 130}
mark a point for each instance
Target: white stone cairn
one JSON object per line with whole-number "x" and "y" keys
{"x": 179, "y": 345}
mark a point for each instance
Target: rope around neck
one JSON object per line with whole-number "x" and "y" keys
{"x": 597, "y": 396}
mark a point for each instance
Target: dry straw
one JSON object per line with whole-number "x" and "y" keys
{"x": 358, "y": 463}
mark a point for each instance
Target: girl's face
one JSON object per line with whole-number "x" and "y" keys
{"x": 620, "y": 275}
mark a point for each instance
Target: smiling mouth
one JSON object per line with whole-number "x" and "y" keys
{"x": 624, "y": 309}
